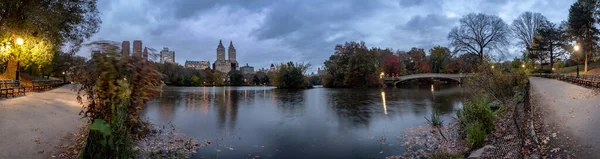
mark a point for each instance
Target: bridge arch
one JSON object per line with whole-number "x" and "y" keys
{"x": 397, "y": 80}
{"x": 406, "y": 79}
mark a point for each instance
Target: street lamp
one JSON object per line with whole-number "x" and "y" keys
{"x": 64, "y": 77}
{"x": 20, "y": 41}
{"x": 381, "y": 75}
{"x": 576, "y": 48}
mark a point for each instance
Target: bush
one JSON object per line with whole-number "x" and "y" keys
{"x": 477, "y": 110}
{"x": 542, "y": 70}
{"x": 475, "y": 135}
{"x": 435, "y": 120}
{"x": 112, "y": 90}
{"x": 495, "y": 83}
{"x": 291, "y": 75}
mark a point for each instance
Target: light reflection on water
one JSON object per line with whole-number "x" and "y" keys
{"x": 314, "y": 123}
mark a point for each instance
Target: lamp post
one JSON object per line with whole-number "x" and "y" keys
{"x": 19, "y": 42}
{"x": 64, "y": 77}
{"x": 576, "y": 48}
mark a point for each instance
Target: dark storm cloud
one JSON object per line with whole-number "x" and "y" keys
{"x": 266, "y": 32}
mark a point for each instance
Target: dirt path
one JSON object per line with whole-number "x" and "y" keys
{"x": 570, "y": 117}
{"x": 37, "y": 122}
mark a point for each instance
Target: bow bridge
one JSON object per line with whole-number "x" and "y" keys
{"x": 395, "y": 80}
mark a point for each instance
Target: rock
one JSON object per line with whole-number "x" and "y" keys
{"x": 477, "y": 153}
{"x": 495, "y": 105}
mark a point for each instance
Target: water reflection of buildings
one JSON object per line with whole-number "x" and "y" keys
{"x": 227, "y": 108}
{"x": 198, "y": 99}
{"x": 167, "y": 106}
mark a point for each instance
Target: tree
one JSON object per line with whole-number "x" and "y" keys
{"x": 525, "y": 27}
{"x": 439, "y": 57}
{"x": 390, "y": 65}
{"x": 581, "y": 26}
{"x": 236, "y": 78}
{"x": 352, "y": 65}
{"x": 256, "y": 80}
{"x": 479, "y": 34}
{"x": 419, "y": 61}
{"x": 31, "y": 31}
{"x": 291, "y": 75}
{"x": 403, "y": 58}
{"x": 552, "y": 41}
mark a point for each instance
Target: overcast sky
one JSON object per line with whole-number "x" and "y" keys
{"x": 274, "y": 31}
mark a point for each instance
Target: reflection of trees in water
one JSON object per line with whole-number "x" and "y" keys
{"x": 441, "y": 97}
{"x": 227, "y": 106}
{"x": 289, "y": 101}
{"x": 167, "y": 105}
{"x": 199, "y": 98}
{"x": 353, "y": 108}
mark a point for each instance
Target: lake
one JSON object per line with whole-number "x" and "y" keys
{"x": 247, "y": 122}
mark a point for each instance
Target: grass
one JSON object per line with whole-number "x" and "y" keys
{"x": 475, "y": 135}
{"x": 477, "y": 110}
{"x": 435, "y": 120}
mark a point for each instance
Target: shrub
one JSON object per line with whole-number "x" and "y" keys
{"x": 435, "y": 120}
{"x": 475, "y": 135}
{"x": 542, "y": 70}
{"x": 495, "y": 83}
{"x": 114, "y": 88}
{"x": 291, "y": 75}
{"x": 477, "y": 110}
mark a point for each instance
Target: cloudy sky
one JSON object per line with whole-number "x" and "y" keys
{"x": 273, "y": 31}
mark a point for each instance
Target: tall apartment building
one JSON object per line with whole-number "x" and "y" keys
{"x": 198, "y": 65}
{"x": 247, "y": 69}
{"x": 125, "y": 48}
{"x": 167, "y": 56}
{"x": 137, "y": 48}
{"x": 223, "y": 65}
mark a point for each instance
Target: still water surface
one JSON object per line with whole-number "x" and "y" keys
{"x": 245, "y": 122}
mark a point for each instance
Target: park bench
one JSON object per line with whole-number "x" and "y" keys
{"x": 11, "y": 87}
{"x": 43, "y": 85}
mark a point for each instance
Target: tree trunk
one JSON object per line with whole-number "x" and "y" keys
{"x": 586, "y": 61}
{"x": 11, "y": 69}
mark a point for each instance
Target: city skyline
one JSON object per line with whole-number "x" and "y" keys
{"x": 191, "y": 27}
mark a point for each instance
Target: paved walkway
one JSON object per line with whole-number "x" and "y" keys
{"x": 36, "y": 122}
{"x": 572, "y": 112}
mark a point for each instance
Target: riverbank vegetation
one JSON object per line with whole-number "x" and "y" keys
{"x": 292, "y": 76}
{"x": 113, "y": 89}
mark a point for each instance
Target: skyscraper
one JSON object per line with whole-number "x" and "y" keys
{"x": 145, "y": 53}
{"x": 137, "y": 48}
{"x": 125, "y": 48}
{"x": 167, "y": 56}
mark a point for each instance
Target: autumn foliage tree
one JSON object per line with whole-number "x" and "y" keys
{"x": 113, "y": 91}
{"x": 352, "y": 65}
{"x": 390, "y": 65}
{"x": 419, "y": 61}
{"x": 32, "y": 31}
